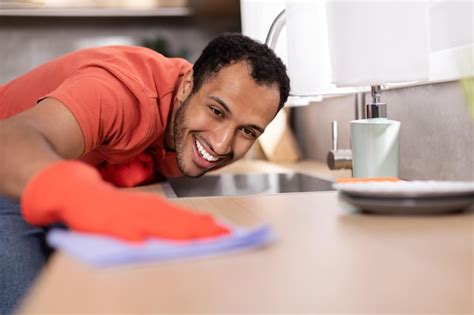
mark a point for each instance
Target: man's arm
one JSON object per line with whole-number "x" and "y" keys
{"x": 29, "y": 141}
{"x": 34, "y": 143}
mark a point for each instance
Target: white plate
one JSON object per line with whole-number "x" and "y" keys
{"x": 431, "y": 205}
{"x": 408, "y": 197}
{"x": 408, "y": 189}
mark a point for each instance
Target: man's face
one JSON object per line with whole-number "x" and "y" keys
{"x": 217, "y": 125}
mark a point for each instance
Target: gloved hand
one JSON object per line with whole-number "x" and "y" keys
{"x": 138, "y": 171}
{"x": 74, "y": 193}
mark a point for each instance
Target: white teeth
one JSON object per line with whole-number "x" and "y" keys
{"x": 204, "y": 153}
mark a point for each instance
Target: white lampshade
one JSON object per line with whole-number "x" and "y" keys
{"x": 377, "y": 42}
{"x": 308, "y": 52}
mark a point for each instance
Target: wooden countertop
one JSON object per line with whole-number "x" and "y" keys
{"x": 327, "y": 259}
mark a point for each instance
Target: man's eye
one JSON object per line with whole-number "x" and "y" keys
{"x": 249, "y": 132}
{"x": 216, "y": 112}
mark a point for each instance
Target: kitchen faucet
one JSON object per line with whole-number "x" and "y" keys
{"x": 336, "y": 158}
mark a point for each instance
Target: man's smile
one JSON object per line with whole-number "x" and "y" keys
{"x": 204, "y": 153}
{"x": 202, "y": 157}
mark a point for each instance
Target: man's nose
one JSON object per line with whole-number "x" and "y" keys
{"x": 222, "y": 141}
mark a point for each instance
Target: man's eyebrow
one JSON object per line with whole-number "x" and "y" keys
{"x": 226, "y": 108}
{"x": 221, "y": 102}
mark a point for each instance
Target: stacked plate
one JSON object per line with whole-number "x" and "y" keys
{"x": 408, "y": 197}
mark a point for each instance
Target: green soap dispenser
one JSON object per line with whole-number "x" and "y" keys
{"x": 375, "y": 141}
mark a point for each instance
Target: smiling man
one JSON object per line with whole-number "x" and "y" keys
{"x": 76, "y": 127}
{"x": 218, "y": 123}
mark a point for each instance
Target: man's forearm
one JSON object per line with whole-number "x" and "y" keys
{"x": 34, "y": 138}
{"x": 24, "y": 151}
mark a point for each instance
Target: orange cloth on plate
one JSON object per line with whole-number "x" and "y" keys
{"x": 369, "y": 179}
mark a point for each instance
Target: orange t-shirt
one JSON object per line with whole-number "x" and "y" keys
{"x": 121, "y": 96}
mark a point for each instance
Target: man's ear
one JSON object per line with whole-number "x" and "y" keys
{"x": 185, "y": 86}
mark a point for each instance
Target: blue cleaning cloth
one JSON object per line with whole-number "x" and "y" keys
{"x": 103, "y": 251}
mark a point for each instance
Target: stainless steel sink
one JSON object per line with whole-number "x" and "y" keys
{"x": 244, "y": 184}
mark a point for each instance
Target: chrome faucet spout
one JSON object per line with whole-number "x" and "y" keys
{"x": 275, "y": 30}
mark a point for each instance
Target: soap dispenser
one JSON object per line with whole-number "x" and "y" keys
{"x": 375, "y": 141}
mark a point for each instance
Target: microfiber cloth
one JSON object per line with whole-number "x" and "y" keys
{"x": 104, "y": 251}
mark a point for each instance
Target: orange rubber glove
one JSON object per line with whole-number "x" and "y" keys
{"x": 74, "y": 193}
{"x": 140, "y": 170}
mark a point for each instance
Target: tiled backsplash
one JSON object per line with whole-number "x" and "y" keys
{"x": 437, "y": 134}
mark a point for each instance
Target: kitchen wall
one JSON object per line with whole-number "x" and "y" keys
{"x": 436, "y": 137}
{"x": 30, "y": 41}
{"x": 437, "y": 134}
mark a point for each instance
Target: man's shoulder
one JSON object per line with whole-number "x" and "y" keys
{"x": 121, "y": 51}
{"x": 130, "y": 53}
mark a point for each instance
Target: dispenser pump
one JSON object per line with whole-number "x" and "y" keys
{"x": 376, "y": 109}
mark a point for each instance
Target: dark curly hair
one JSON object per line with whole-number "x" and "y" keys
{"x": 229, "y": 48}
